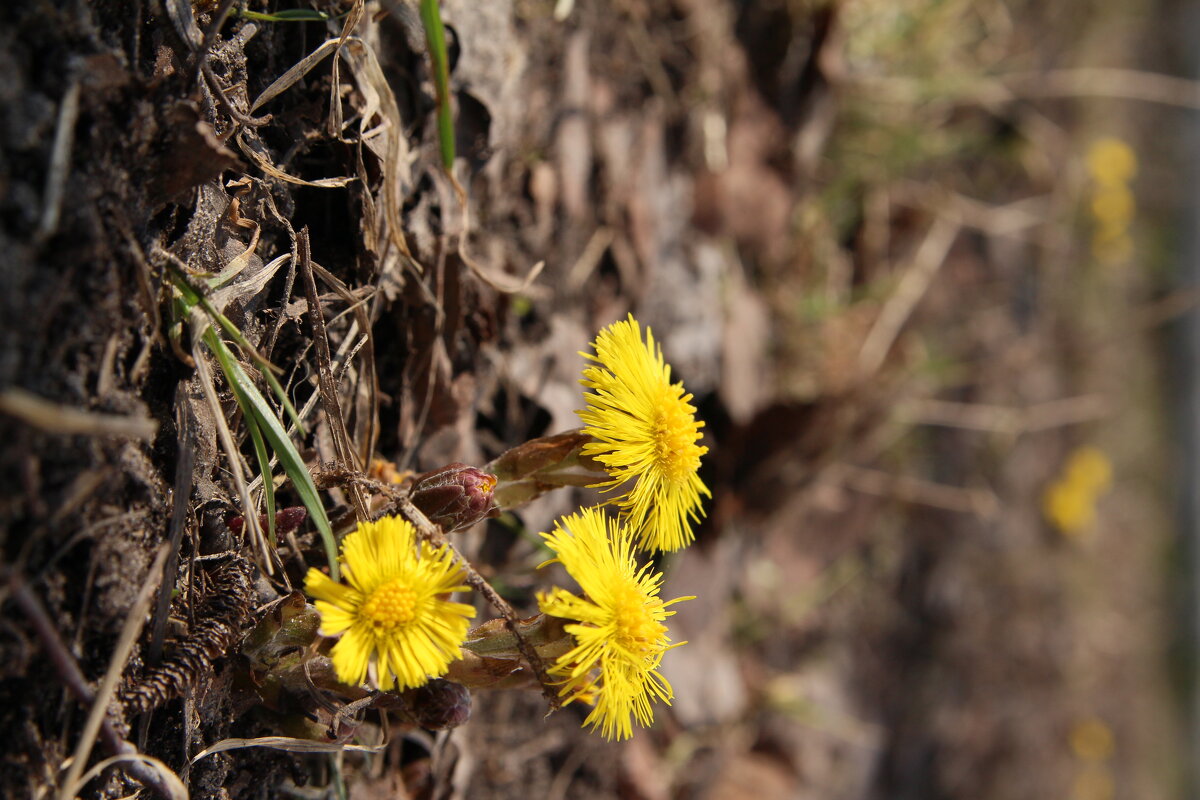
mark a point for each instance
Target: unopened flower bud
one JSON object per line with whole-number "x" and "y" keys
{"x": 455, "y": 496}
{"x": 438, "y": 705}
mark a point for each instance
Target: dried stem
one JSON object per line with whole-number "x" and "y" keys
{"x": 432, "y": 534}
{"x": 69, "y": 673}
{"x": 325, "y": 380}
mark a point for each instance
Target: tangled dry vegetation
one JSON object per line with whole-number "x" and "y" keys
{"x": 854, "y": 234}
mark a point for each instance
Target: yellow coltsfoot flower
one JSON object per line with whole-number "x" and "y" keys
{"x": 393, "y": 620}
{"x": 644, "y": 430}
{"x": 619, "y": 633}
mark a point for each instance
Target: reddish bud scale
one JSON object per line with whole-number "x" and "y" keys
{"x": 455, "y": 496}
{"x": 286, "y": 520}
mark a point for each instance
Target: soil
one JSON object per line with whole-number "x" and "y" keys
{"x": 882, "y": 610}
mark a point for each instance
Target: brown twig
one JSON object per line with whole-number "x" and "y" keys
{"x": 981, "y": 502}
{"x": 214, "y": 27}
{"x": 69, "y": 673}
{"x": 104, "y": 692}
{"x": 181, "y": 495}
{"x": 917, "y": 277}
{"x": 364, "y": 323}
{"x": 233, "y": 111}
{"x": 343, "y": 450}
{"x": 289, "y": 281}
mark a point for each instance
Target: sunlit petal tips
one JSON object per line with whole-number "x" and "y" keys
{"x": 618, "y": 625}
{"x": 645, "y": 434}
{"x": 393, "y": 619}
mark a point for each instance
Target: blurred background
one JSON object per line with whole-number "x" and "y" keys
{"x": 928, "y": 268}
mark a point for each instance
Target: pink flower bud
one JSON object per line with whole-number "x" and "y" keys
{"x": 455, "y": 496}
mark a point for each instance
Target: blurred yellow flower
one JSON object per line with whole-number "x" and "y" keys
{"x": 1112, "y": 164}
{"x": 1113, "y": 206}
{"x": 619, "y": 635}
{"x": 1069, "y": 508}
{"x": 1112, "y": 249}
{"x": 1089, "y": 467}
{"x": 1111, "y": 161}
{"x": 645, "y": 430}
{"x": 393, "y": 620}
{"x": 1093, "y": 783}
{"x": 1069, "y": 503}
{"x": 1092, "y": 740}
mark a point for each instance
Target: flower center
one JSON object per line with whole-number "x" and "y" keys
{"x": 637, "y": 629}
{"x": 675, "y": 435}
{"x": 391, "y": 606}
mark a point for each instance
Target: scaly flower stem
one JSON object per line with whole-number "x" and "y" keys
{"x": 540, "y": 465}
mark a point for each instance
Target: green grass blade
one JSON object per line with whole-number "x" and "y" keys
{"x": 191, "y": 297}
{"x": 272, "y": 430}
{"x": 264, "y": 463}
{"x": 435, "y": 38}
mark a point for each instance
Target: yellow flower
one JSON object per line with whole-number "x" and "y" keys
{"x": 1070, "y": 502}
{"x": 1113, "y": 207}
{"x": 392, "y": 619}
{"x": 1090, "y": 468}
{"x": 645, "y": 430}
{"x": 1111, "y": 161}
{"x": 620, "y": 637}
{"x": 1070, "y": 507}
{"x": 1092, "y": 740}
{"x": 1111, "y": 247}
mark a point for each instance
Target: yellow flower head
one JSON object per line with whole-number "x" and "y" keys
{"x": 392, "y": 617}
{"x": 1090, "y": 468}
{"x": 1069, "y": 507}
{"x": 620, "y": 637}
{"x": 1070, "y": 502}
{"x": 1111, "y": 161}
{"x": 644, "y": 430}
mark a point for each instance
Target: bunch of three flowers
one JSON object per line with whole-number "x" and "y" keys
{"x": 398, "y": 627}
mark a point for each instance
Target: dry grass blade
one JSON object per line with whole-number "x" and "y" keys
{"x": 237, "y": 263}
{"x": 69, "y": 673}
{"x": 379, "y": 99}
{"x": 343, "y": 449}
{"x": 369, "y": 419}
{"x": 60, "y": 161}
{"x": 249, "y": 286}
{"x": 168, "y": 782}
{"x": 104, "y": 693}
{"x": 180, "y": 497}
{"x": 500, "y": 281}
{"x": 295, "y": 73}
{"x": 232, "y": 456}
{"x": 55, "y": 418}
{"x": 287, "y": 743}
{"x": 264, "y": 163}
